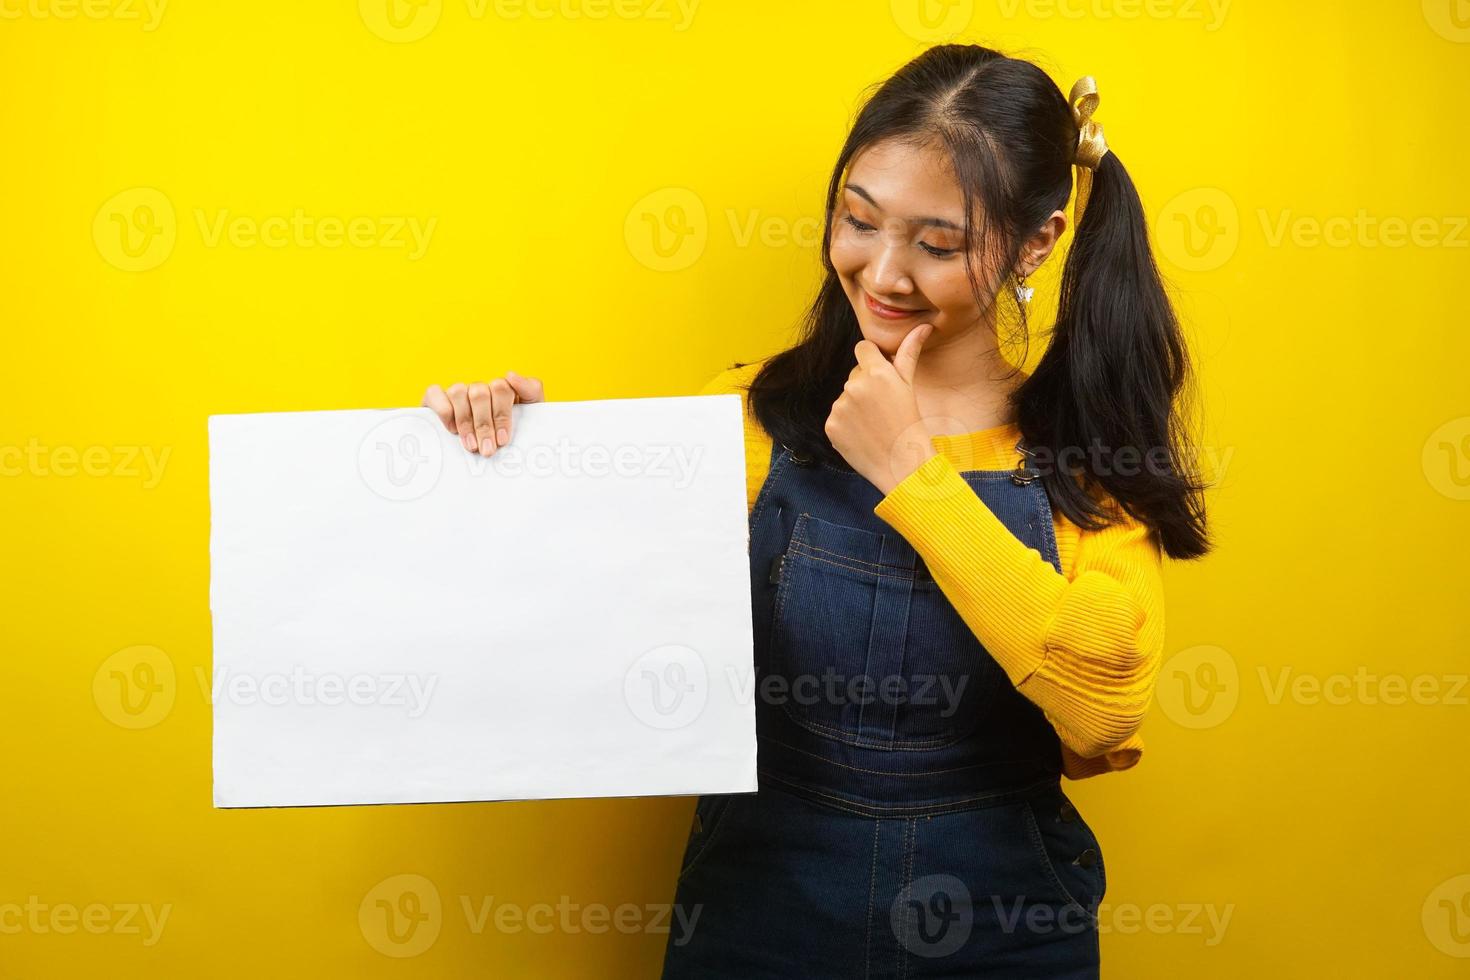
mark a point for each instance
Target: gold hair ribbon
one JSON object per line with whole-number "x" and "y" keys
{"x": 1091, "y": 147}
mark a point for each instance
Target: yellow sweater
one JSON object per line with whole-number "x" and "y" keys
{"x": 1085, "y": 645}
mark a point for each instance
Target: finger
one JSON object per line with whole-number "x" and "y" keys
{"x": 502, "y": 397}
{"x": 464, "y": 421}
{"x": 906, "y": 359}
{"x": 436, "y": 399}
{"x": 868, "y": 355}
{"x": 484, "y": 412}
{"x": 526, "y": 389}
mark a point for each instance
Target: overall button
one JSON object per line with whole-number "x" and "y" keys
{"x": 1087, "y": 858}
{"x": 1068, "y": 812}
{"x": 795, "y": 458}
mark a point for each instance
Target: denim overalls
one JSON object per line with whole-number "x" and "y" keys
{"x": 910, "y": 820}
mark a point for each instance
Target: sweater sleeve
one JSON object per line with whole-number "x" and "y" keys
{"x": 1085, "y": 649}
{"x": 732, "y": 381}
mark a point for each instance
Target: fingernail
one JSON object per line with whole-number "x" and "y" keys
{"x": 502, "y": 436}
{"x": 467, "y": 441}
{"x": 487, "y": 446}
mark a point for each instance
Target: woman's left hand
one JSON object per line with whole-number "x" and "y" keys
{"x": 875, "y": 424}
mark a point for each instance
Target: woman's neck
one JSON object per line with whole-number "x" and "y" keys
{"x": 964, "y": 384}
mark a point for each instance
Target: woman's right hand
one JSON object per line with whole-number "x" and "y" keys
{"x": 479, "y": 413}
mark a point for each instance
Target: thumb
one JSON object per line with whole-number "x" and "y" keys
{"x": 526, "y": 389}
{"x": 907, "y": 356}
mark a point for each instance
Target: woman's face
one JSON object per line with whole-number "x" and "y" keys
{"x": 897, "y": 241}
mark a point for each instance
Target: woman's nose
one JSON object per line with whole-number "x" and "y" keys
{"x": 887, "y": 271}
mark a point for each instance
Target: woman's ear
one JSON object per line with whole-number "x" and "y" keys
{"x": 1040, "y": 245}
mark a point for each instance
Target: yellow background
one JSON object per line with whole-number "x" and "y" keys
{"x": 546, "y": 140}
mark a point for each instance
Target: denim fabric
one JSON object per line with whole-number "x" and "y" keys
{"x": 910, "y": 820}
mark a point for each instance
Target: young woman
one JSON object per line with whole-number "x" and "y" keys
{"x": 955, "y": 565}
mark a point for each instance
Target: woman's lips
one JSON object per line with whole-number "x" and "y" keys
{"x": 887, "y": 312}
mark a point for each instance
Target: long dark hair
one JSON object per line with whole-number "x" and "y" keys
{"x": 1116, "y": 372}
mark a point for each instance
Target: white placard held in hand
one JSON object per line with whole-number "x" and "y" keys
{"x": 397, "y": 620}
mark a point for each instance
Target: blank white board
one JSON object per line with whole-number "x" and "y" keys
{"x": 397, "y": 620}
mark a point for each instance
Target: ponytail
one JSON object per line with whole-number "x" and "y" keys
{"x": 1102, "y": 410}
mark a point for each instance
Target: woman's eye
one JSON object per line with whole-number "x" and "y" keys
{"x": 864, "y": 227}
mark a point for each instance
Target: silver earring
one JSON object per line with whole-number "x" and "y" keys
{"x": 1023, "y": 291}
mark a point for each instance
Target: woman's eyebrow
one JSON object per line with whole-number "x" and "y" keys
{"x": 935, "y": 222}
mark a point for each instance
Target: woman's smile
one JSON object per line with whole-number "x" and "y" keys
{"x": 887, "y": 312}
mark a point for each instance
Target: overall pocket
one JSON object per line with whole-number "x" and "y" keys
{"x": 709, "y": 815}
{"x": 1067, "y": 852}
{"x": 870, "y": 650}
